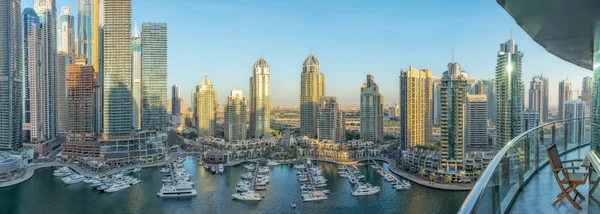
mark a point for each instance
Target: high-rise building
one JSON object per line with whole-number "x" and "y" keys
{"x": 234, "y": 126}
{"x": 136, "y": 79}
{"x": 538, "y": 97}
{"x": 394, "y": 111}
{"x": 509, "y": 93}
{"x": 175, "y": 97}
{"x": 81, "y": 83}
{"x": 194, "y": 107}
{"x": 154, "y": 76}
{"x": 531, "y": 119}
{"x": 476, "y": 133}
{"x": 61, "y": 92}
{"x": 11, "y": 107}
{"x": 415, "y": 107}
{"x": 85, "y": 29}
{"x": 480, "y": 86}
{"x": 46, "y": 11}
{"x": 33, "y": 125}
{"x": 371, "y": 111}
{"x": 260, "y": 98}
{"x": 312, "y": 88}
{"x": 564, "y": 94}
{"x": 492, "y": 101}
{"x": 575, "y": 109}
{"x": 206, "y": 104}
{"x": 66, "y": 33}
{"x": 331, "y": 120}
{"x": 587, "y": 87}
{"x": 453, "y": 100}
{"x": 436, "y": 106}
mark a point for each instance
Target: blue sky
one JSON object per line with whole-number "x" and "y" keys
{"x": 350, "y": 38}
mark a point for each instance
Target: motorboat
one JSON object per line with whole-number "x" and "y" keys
{"x": 406, "y": 183}
{"x": 360, "y": 177}
{"x": 89, "y": 180}
{"x": 137, "y": 169}
{"x": 247, "y": 196}
{"x": 390, "y": 178}
{"x": 300, "y": 166}
{"x": 249, "y": 167}
{"x": 247, "y": 176}
{"x": 344, "y": 174}
{"x": 353, "y": 180}
{"x": 365, "y": 190}
{"x": 104, "y": 186}
{"x": 165, "y": 170}
{"x": 117, "y": 187}
{"x": 401, "y": 186}
{"x": 73, "y": 179}
{"x": 313, "y": 196}
{"x": 263, "y": 170}
{"x": 302, "y": 179}
{"x": 221, "y": 168}
{"x": 213, "y": 169}
{"x": 293, "y": 204}
{"x": 62, "y": 173}
{"x": 326, "y": 191}
{"x": 134, "y": 182}
{"x": 308, "y": 162}
{"x": 272, "y": 163}
{"x": 176, "y": 191}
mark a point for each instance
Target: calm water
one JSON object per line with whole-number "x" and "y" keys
{"x": 44, "y": 193}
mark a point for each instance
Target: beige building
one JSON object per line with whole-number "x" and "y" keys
{"x": 206, "y": 104}
{"x": 80, "y": 99}
{"x": 235, "y": 117}
{"x": 260, "y": 99}
{"x": 331, "y": 120}
{"x": 416, "y": 94}
{"x": 312, "y": 88}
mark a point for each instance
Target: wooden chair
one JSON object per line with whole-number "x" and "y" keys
{"x": 567, "y": 181}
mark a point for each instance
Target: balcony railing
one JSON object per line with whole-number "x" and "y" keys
{"x": 519, "y": 160}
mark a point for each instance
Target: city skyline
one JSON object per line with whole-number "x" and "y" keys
{"x": 385, "y": 48}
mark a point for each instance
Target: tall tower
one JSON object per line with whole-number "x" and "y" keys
{"x": 81, "y": 81}
{"x": 416, "y": 94}
{"x": 312, "y": 88}
{"x": 564, "y": 94}
{"x": 206, "y": 104}
{"x": 331, "y": 120}
{"x": 154, "y": 76}
{"x": 587, "y": 87}
{"x": 136, "y": 80}
{"x": 491, "y": 101}
{"x": 453, "y": 100}
{"x": 46, "y": 11}
{"x": 575, "y": 109}
{"x": 538, "y": 96}
{"x": 371, "y": 111}
{"x": 476, "y": 135}
{"x": 66, "y": 33}
{"x": 260, "y": 98}
{"x": 116, "y": 68}
{"x": 235, "y": 117}
{"x": 85, "y": 29}
{"x": 11, "y": 96}
{"x": 509, "y": 93}
{"x": 176, "y": 99}
{"x": 62, "y": 60}
{"x": 436, "y": 106}
{"x": 33, "y": 125}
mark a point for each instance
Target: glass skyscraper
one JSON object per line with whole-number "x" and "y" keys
{"x": 538, "y": 97}
{"x": 32, "y": 78}
{"x": 154, "y": 76}
{"x": 453, "y": 100}
{"x": 312, "y": 88}
{"x": 371, "y": 111}
{"x": 84, "y": 29}
{"x": 260, "y": 98}
{"x": 136, "y": 82}
{"x": 46, "y": 11}
{"x": 509, "y": 93}
{"x": 66, "y": 33}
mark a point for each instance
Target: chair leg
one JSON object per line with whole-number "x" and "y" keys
{"x": 577, "y": 194}
{"x": 566, "y": 194}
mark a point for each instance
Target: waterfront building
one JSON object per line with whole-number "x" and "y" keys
{"x": 575, "y": 109}
{"x": 116, "y": 68}
{"x": 565, "y": 94}
{"x": 260, "y": 98}
{"x": 587, "y": 87}
{"x": 415, "y": 110}
{"x": 206, "y": 108}
{"x": 61, "y": 92}
{"x": 136, "y": 79}
{"x": 312, "y": 88}
{"x": 11, "y": 107}
{"x": 65, "y": 33}
{"x": 331, "y": 120}
{"x": 531, "y": 119}
{"x": 509, "y": 93}
{"x": 32, "y": 78}
{"x": 46, "y": 11}
{"x": 476, "y": 133}
{"x": 154, "y": 76}
{"x": 371, "y": 111}
{"x": 235, "y": 117}
{"x": 436, "y": 106}
{"x": 175, "y": 100}
{"x": 538, "y": 97}
{"x": 453, "y": 100}
{"x": 81, "y": 86}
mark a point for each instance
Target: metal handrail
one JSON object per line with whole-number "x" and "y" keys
{"x": 472, "y": 201}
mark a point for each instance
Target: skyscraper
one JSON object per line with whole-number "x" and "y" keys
{"x": 260, "y": 98}
{"x": 492, "y": 101}
{"x": 11, "y": 108}
{"x": 587, "y": 87}
{"x": 136, "y": 80}
{"x": 46, "y": 11}
{"x": 331, "y": 120}
{"x": 575, "y": 109}
{"x": 312, "y": 88}
{"x": 81, "y": 83}
{"x": 66, "y": 33}
{"x": 453, "y": 100}
{"x": 476, "y": 135}
{"x": 531, "y": 119}
{"x": 371, "y": 111}
{"x": 175, "y": 96}
{"x": 154, "y": 76}
{"x": 61, "y": 92}
{"x": 538, "y": 96}
{"x": 33, "y": 125}
{"x": 235, "y": 117}
{"x": 564, "y": 94}
{"x": 509, "y": 93}
{"x": 85, "y": 29}
{"x": 206, "y": 104}
{"x": 415, "y": 107}
{"x": 436, "y": 106}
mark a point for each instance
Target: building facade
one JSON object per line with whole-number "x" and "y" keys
{"x": 416, "y": 93}
{"x": 61, "y": 92}
{"x": 175, "y": 100}
{"x": 509, "y": 93}
{"x": 85, "y": 29}
{"x": 154, "y": 76}
{"x": 260, "y": 98}
{"x": 538, "y": 96}
{"x": 235, "y": 117}
{"x": 565, "y": 94}
{"x": 65, "y": 33}
{"x": 331, "y": 120}
{"x": 32, "y": 78}
{"x": 312, "y": 88}
{"x": 136, "y": 79}
{"x": 206, "y": 104}
{"x": 371, "y": 111}
{"x": 531, "y": 119}
{"x": 453, "y": 100}
{"x": 81, "y": 85}
{"x": 46, "y": 11}
{"x": 587, "y": 88}
{"x": 476, "y": 131}
{"x": 576, "y": 128}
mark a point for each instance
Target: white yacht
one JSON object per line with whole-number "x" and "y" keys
{"x": 96, "y": 184}
{"x": 308, "y": 162}
{"x": 137, "y": 169}
{"x": 300, "y": 166}
{"x": 165, "y": 170}
{"x": 73, "y": 179}
{"x": 62, "y": 173}
{"x": 247, "y": 176}
{"x": 314, "y": 196}
{"x": 221, "y": 168}
{"x": 365, "y": 190}
{"x": 117, "y": 187}
{"x": 135, "y": 181}
{"x": 272, "y": 163}
{"x": 263, "y": 170}
{"x": 89, "y": 180}
{"x": 344, "y": 174}
{"x": 401, "y": 186}
{"x": 247, "y": 196}
{"x": 249, "y": 167}
{"x": 213, "y": 169}
{"x": 180, "y": 190}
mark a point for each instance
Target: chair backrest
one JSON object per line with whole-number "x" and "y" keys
{"x": 553, "y": 157}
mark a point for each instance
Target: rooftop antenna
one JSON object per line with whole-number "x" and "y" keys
{"x": 511, "y": 34}
{"x": 452, "y": 54}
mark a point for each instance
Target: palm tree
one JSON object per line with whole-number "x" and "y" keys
{"x": 432, "y": 176}
{"x": 448, "y": 179}
{"x": 421, "y": 172}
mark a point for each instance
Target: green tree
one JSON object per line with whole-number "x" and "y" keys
{"x": 448, "y": 179}
{"x": 421, "y": 172}
{"x": 432, "y": 176}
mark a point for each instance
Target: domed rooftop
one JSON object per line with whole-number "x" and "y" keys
{"x": 261, "y": 62}
{"x": 311, "y": 60}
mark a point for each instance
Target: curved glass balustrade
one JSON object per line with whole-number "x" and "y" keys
{"x": 519, "y": 160}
